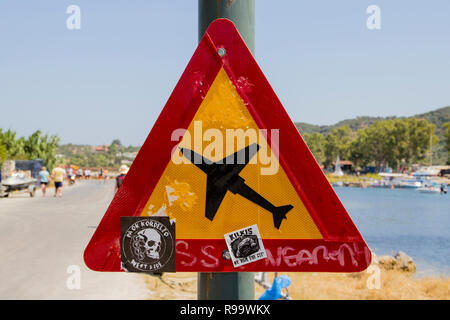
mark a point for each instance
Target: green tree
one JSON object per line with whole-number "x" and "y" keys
{"x": 447, "y": 138}
{"x": 2, "y": 152}
{"x": 421, "y": 137}
{"x": 400, "y": 141}
{"x": 116, "y": 142}
{"x": 113, "y": 150}
{"x": 100, "y": 160}
{"x": 337, "y": 142}
{"x": 14, "y": 147}
{"x": 131, "y": 148}
{"x": 316, "y": 144}
{"x": 2, "y": 148}
{"x": 380, "y": 144}
{"x": 43, "y": 147}
{"x": 80, "y": 160}
{"x": 393, "y": 143}
{"x": 360, "y": 149}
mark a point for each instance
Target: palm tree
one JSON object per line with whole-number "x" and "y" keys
{"x": 2, "y": 152}
{"x": 43, "y": 147}
{"x": 14, "y": 147}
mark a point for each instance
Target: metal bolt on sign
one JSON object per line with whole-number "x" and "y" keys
{"x": 221, "y": 52}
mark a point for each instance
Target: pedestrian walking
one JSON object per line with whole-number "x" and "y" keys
{"x": 105, "y": 175}
{"x": 69, "y": 172}
{"x": 100, "y": 175}
{"x": 57, "y": 176}
{"x": 87, "y": 174}
{"x": 44, "y": 179}
{"x": 119, "y": 179}
{"x": 79, "y": 173}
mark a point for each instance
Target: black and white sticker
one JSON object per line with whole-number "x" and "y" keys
{"x": 245, "y": 245}
{"x": 147, "y": 244}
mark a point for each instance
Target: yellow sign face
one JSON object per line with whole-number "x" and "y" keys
{"x": 223, "y": 126}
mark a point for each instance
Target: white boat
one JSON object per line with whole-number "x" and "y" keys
{"x": 427, "y": 172}
{"x": 412, "y": 184}
{"x": 382, "y": 184}
{"x": 429, "y": 189}
{"x": 397, "y": 180}
{"x": 337, "y": 170}
{"x": 433, "y": 188}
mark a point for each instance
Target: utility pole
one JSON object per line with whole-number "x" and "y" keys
{"x": 241, "y": 12}
{"x": 227, "y": 285}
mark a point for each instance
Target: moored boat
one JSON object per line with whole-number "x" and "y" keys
{"x": 429, "y": 190}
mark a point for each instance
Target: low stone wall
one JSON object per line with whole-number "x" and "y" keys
{"x": 8, "y": 167}
{"x": 400, "y": 262}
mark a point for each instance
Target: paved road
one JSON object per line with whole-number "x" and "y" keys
{"x": 41, "y": 237}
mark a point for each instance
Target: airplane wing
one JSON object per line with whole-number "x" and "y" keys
{"x": 197, "y": 159}
{"x": 240, "y": 159}
{"x": 232, "y": 164}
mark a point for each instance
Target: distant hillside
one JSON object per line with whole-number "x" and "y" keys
{"x": 437, "y": 117}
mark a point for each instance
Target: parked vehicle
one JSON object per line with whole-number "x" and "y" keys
{"x": 18, "y": 182}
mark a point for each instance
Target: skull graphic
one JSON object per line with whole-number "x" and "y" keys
{"x": 151, "y": 240}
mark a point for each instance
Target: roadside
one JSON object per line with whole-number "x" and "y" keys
{"x": 319, "y": 286}
{"x": 42, "y": 237}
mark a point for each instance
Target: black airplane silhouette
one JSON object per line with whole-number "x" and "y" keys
{"x": 223, "y": 176}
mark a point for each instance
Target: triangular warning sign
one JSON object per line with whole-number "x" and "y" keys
{"x": 224, "y": 156}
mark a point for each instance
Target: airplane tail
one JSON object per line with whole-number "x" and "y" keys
{"x": 279, "y": 214}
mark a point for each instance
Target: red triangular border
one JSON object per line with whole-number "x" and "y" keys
{"x": 341, "y": 250}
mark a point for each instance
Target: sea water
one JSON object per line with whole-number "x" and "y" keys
{"x": 403, "y": 220}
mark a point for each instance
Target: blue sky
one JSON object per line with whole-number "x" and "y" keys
{"x": 112, "y": 78}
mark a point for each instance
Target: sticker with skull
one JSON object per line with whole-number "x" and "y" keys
{"x": 147, "y": 244}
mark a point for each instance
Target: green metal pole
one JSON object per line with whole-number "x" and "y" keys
{"x": 241, "y": 12}
{"x": 227, "y": 285}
